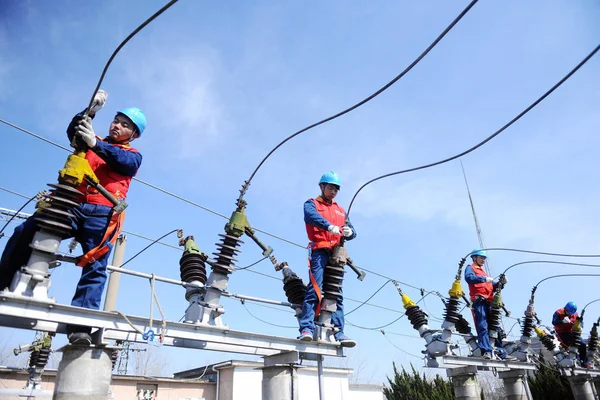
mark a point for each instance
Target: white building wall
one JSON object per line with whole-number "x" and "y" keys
{"x": 247, "y": 383}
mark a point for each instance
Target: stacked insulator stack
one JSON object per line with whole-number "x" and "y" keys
{"x": 54, "y": 211}
{"x": 332, "y": 282}
{"x": 295, "y": 289}
{"x": 548, "y": 342}
{"x": 416, "y": 316}
{"x": 452, "y": 314}
{"x": 494, "y": 318}
{"x": 527, "y": 328}
{"x": 575, "y": 338}
{"x": 593, "y": 340}
{"x": 462, "y": 325}
{"x": 39, "y": 358}
{"x": 192, "y": 267}
{"x": 228, "y": 248}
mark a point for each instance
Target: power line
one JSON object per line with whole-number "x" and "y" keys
{"x": 244, "y": 268}
{"x": 364, "y": 101}
{"x": 155, "y": 187}
{"x": 499, "y": 131}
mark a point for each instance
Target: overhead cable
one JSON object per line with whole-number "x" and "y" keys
{"x": 478, "y": 145}
{"x": 367, "y": 99}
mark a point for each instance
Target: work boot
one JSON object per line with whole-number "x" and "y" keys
{"x": 80, "y": 338}
{"x": 345, "y": 341}
{"x": 306, "y": 335}
{"x": 487, "y": 355}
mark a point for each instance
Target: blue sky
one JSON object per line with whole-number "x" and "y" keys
{"x": 223, "y": 83}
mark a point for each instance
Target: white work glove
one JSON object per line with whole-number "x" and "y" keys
{"x": 98, "y": 103}
{"x": 566, "y": 320}
{"x": 489, "y": 279}
{"x": 86, "y": 131}
{"x": 347, "y": 231}
{"x": 334, "y": 229}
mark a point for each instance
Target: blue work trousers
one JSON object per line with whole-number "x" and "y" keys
{"x": 318, "y": 260}
{"x": 89, "y": 224}
{"x": 481, "y": 311}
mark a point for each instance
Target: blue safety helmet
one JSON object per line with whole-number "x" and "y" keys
{"x": 136, "y": 116}
{"x": 571, "y": 307}
{"x": 332, "y": 178}
{"x": 478, "y": 252}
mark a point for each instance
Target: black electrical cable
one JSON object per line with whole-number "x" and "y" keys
{"x": 15, "y": 214}
{"x": 388, "y": 324}
{"x": 251, "y": 265}
{"x": 499, "y": 131}
{"x": 551, "y": 262}
{"x": 370, "y": 297}
{"x": 360, "y": 103}
{"x": 263, "y": 321}
{"x": 591, "y": 302}
{"x": 540, "y": 253}
{"x": 402, "y": 350}
{"x": 132, "y": 34}
{"x": 560, "y": 276}
{"x": 146, "y": 248}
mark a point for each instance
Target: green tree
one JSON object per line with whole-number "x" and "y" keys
{"x": 414, "y": 386}
{"x": 548, "y": 384}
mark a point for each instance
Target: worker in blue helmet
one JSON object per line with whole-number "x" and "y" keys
{"x": 325, "y": 224}
{"x": 481, "y": 292}
{"x": 564, "y": 319}
{"x": 95, "y": 226}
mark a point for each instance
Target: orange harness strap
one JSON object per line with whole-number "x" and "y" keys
{"x": 313, "y": 281}
{"x": 108, "y": 241}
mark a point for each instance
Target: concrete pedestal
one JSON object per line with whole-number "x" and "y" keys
{"x": 464, "y": 380}
{"x": 280, "y": 382}
{"x": 515, "y": 384}
{"x": 83, "y": 373}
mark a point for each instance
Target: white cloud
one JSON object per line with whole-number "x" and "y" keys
{"x": 181, "y": 91}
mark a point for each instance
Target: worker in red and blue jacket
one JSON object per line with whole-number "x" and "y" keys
{"x": 481, "y": 291}
{"x": 325, "y": 225}
{"x": 95, "y": 226}
{"x": 563, "y": 321}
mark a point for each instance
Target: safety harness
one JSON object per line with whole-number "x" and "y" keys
{"x": 108, "y": 241}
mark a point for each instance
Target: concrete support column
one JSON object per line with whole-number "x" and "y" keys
{"x": 83, "y": 373}
{"x": 115, "y": 277}
{"x": 280, "y": 382}
{"x": 464, "y": 380}
{"x": 581, "y": 386}
{"x": 515, "y": 384}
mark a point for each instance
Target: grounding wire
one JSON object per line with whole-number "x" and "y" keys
{"x": 499, "y": 131}
{"x": 365, "y": 100}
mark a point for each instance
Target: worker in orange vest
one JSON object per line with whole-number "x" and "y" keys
{"x": 563, "y": 320}
{"x": 325, "y": 226}
{"x": 95, "y": 226}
